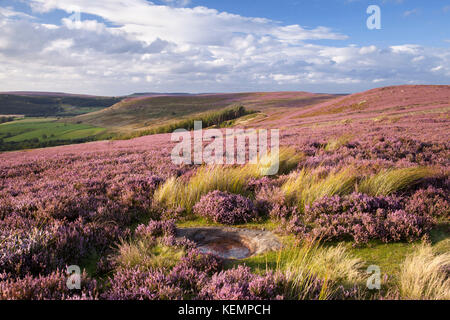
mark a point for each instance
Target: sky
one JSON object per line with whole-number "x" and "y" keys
{"x": 118, "y": 47}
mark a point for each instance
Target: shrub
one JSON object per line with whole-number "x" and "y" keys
{"x": 136, "y": 284}
{"x": 226, "y": 208}
{"x": 240, "y": 284}
{"x": 50, "y": 287}
{"x": 40, "y": 249}
{"x": 432, "y": 201}
{"x": 361, "y": 218}
{"x": 155, "y": 229}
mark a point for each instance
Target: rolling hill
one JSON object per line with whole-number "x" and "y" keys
{"x": 45, "y": 104}
{"x": 380, "y": 104}
{"x": 145, "y": 112}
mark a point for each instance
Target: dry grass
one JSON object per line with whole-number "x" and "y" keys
{"x": 305, "y": 187}
{"x": 423, "y": 275}
{"x": 177, "y": 193}
{"x": 301, "y": 265}
{"x": 147, "y": 255}
{"x": 390, "y": 181}
{"x": 338, "y": 142}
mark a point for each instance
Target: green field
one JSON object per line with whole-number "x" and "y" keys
{"x": 44, "y": 132}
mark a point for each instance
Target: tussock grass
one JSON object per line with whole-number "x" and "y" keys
{"x": 305, "y": 187}
{"x": 423, "y": 275}
{"x": 147, "y": 255}
{"x": 301, "y": 265}
{"x": 177, "y": 193}
{"x": 336, "y": 143}
{"x": 390, "y": 181}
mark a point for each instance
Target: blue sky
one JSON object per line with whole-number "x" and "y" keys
{"x": 125, "y": 46}
{"x": 418, "y": 21}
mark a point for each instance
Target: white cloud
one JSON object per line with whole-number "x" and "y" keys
{"x": 411, "y": 12}
{"x": 177, "y": 3}
{"x": 140, "y": 46}
{"x": 9, "y": 12}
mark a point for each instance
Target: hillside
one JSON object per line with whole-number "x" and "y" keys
{"x": 43, "y": 104}
{"x": 380, "y": 104}
{"x": 370, "y": 180}
{"x": 138, "y": 113}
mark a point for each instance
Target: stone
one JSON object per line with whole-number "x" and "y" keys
{"x": 231, "y": 243}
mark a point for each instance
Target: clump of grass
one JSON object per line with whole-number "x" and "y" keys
{"x": 147, "y": 254}
{"x": 390, "y": 181}
{"x": 288, "y": 159}
{"x": 177, "y": 193}
{"x": 304, "y": 187}
{"x": 304, "y": 264}
{"x": 423, "y": 275}
{"x": 337, "y": 264}
{"x": 336, "y": 143}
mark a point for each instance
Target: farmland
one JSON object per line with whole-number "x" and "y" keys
{"x": 364, "y": 180}
{"x": 43, "y": 132}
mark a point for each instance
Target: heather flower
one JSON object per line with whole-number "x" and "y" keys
{"x": 156, "y": 229}
{"x": 226, "y": 208}
{"x": 240, "y": 284}
{"x": 361, "y": 218}
{"x": 432, "y": 201}
{"x": 50, "y": 287}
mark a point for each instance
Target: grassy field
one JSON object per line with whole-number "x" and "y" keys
{"x": 42, "y": 132}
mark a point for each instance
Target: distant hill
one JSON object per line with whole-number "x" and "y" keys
{"x": 158, "y": 94}
{"x": 43, "y": 104}
{"x": 387, "y": 102}
{"x": 144, "y": 112}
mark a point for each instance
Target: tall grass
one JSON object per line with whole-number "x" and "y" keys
{"x": 288, "y": 159}
{"x": 175, "y": 192}
{"x": 304, "y": 187}
{"x": 147, "y": 255}
{"x": 423, "y": 275}
{"x": 302, "y": 265}
{"x": 390, "y": 181}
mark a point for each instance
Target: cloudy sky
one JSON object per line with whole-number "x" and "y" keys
{"x": 116, "y": 47}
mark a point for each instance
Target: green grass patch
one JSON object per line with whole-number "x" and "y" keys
{"x": 147, "y": 254}
{"x": 44, "y": 132}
